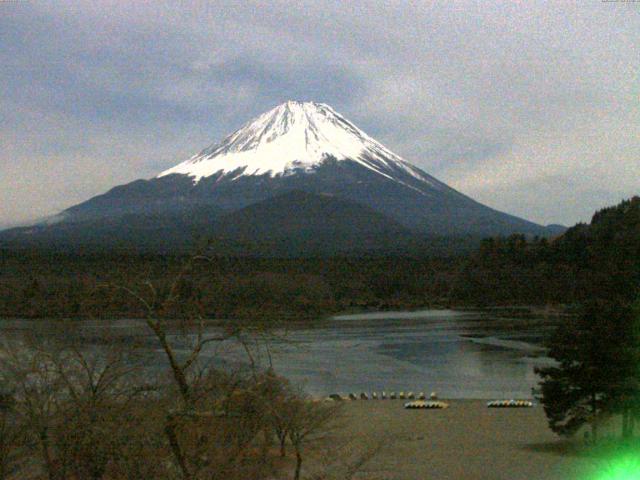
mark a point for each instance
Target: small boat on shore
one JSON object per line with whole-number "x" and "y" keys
{"x": 423, "y": 404}
{"x": 510, "y": 404}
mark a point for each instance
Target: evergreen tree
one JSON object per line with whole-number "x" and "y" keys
{"x": 598, "y": 359}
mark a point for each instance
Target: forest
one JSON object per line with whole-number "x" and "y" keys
{"x": 601, "y": 259}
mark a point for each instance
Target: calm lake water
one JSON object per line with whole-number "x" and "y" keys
{"x": 456, "y": 354}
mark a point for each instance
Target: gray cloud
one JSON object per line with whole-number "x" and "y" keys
{"x": 531, "y": 108}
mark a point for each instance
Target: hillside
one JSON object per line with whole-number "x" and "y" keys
{"x": 298, "y": 223}
{"x": 598, "y": 259}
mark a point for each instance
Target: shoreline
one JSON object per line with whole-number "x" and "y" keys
{"x": 516, "y": 312}
{"x": 467, "y": 441}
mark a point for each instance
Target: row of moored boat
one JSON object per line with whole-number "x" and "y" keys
{"x": 383, "y": 396}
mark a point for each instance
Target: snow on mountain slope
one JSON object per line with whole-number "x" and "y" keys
{"x": 294, "y": 137}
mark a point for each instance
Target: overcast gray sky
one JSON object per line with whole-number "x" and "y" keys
{"x": 530, "y": 108}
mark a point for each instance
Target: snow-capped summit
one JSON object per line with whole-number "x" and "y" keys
{"x": 294, "y": 137}
{"x": 298, "y": 173}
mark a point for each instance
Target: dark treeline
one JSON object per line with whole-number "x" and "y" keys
{"x": 601, "y": 259}
{"x": 596, "y": 260}
{"x": 37, "y": 284}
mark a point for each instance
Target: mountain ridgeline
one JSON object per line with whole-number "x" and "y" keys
{"x": 299, "y": 178}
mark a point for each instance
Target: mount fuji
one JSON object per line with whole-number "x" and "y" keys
{"x": 300, "y": 172}
{"x": 295, "y": 137}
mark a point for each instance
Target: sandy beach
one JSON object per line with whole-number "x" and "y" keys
{"x": 466, "y": 441}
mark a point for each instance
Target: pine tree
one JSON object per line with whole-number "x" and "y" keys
{"x": 598, "y": 358}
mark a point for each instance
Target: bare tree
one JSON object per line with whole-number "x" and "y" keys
{"x": 70, "y": 400}
{"x": 11, "y": 436}
{"x": 88, "y": 412}
{"x": 308, "y": 422}
{"x": 277, "y": 396}
{"x": 98, "y": 389}
{"x": 191, "y": 423}
{"x": 36, "y": 385}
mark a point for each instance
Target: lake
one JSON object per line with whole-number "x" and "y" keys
{"x": 454, "y": 353}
